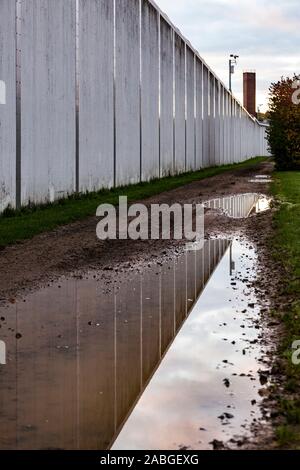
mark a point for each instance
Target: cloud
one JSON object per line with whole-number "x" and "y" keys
{"x": 265, "y": 34}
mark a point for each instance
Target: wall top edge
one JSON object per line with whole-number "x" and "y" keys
{"x": 188, "y": 43}
{"x": 262, "y": 124}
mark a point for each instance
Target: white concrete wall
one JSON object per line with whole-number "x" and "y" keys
{"x": 205, "y": 118}
{"x": 217, "y": 122}
{"x": 150, "y": 91}
{"x": 8, "y": 105}
{"x": 199, "y": 111}
{"x": 166, "y": 99}
{"x": 211, "y": 120}
{"x": 96, "y": 94}
{"x": 180, "y": 149}
{"x": 190, "y": 110}
{"x": 227, "y": 129}
{"x": 127, "y": 112}
{"x": 133, "y": 101}
{"x": 47, "y": 100}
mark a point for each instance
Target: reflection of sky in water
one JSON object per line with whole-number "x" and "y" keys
{"x": 187, "y": 392}
{"x": 262, "y": 205}
{"x": 240, "y": 205}
{"x": 88, "y": 350}
{"x": 261, "y": 179}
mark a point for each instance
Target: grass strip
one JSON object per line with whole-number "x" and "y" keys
{"x": 29, "y": 221}
{"x": 285, "y": 245}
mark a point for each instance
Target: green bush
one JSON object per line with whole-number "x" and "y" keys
{"x": 284, "y": 117}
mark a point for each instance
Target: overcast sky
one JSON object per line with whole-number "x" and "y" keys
{"x": 265, "y": 33}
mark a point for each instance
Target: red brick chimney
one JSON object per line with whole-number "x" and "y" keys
{"x": 250, "y": 92}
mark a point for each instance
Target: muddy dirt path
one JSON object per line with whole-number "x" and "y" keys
{"x": 75, "y": 247}
{"x": 96, "y": 295}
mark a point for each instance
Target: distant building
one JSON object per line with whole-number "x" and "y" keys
{"x": 249, "y": 86}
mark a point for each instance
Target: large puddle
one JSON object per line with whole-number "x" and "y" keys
{"x": 240, "y": 206}
{"x": 261, "y": 179}
{"x": 169, "y": 358}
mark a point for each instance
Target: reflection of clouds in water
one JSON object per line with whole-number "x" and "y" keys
{"x": 119, "y": 338}
{"x": 241, "y": 205}
{"x": 100, "y": 350}
{"x": 187, "y": 391}
{"x": 262, "y": 205}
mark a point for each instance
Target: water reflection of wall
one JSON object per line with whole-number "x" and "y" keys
{"x": 86, "y": 354}
{"x": 238, "y": 206}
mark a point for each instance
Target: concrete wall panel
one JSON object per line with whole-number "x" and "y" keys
{"x": 190, "y": 110}
{"x": 217, "y": 122}
{"x": 199, "y": 118}
{"x": 150, "y": 91}
{"x": 205, "y": 118}
{"x": 211, "y": 123}
{"x": 7, "y": 105}
{"x": 222, "y": 125}
{"x": 166, "y": 99}
{"x": 146, "y": 104}
{"x": 127, "y": 112}
{"x": 96, "y": 100}
{"x": 48, "y": 99}
{"x": 180, "y": 149}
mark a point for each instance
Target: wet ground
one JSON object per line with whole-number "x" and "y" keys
{"x": 208, "y": 386}
{"x": 240, "y": 206}
{"x": 261, "y": 179}
{"x": 33, "y": 263}
{"x": 80, "y": 356}
{"x": 161, "y": 348}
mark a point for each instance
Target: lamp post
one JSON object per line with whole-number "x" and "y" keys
{"x": 232, "y": 63}
{"x": 258, "y": 111}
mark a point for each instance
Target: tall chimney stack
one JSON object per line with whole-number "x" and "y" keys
{"x": 250, "y": 92}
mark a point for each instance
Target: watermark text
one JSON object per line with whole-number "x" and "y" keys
{"x": 157, "y": 222}
{"x": 2, "y": 92}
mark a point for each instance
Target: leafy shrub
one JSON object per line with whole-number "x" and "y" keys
{"x": 284, "y": 117}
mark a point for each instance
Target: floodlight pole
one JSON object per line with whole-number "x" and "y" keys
{"x": 232, "y": 63}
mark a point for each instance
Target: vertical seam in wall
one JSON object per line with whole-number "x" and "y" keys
{"x": 18, "y": 31}
{"x": 213, "y": 154}
{"x": 202, "y": 114}
{"x": 223, "y": 123}
{"x": 159, "y": 93}
{"x": 219, "y": 120}
{"x": 220, "y": 113}
{"x": 140, "y": 89}
{"x": 174, "y": 104}
{"x": 208, "y": 118}
{"x": 225, "y": 126}
{"x": 203, "y": 126}
{"x": 220, "y": 125}
{"x": 77, "y": 95}
{"x": 114, "y": 96}
{"x": 217, "y": 133}
{"x": 185, "y": 110}
{"x": 214, "y": 121}
{"x": 195, "y": 112}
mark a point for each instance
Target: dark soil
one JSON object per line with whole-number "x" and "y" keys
{"x": 75, "y": 247}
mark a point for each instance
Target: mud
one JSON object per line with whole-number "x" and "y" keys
{"x": 74, "y": 252}
{"x": 76, "y": 248}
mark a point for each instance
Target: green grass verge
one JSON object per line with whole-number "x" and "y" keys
{"x": 286, "y": 250}
{"x": 27, "y": 222}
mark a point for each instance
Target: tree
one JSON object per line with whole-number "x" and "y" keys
{"x": 284, "y": 117}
